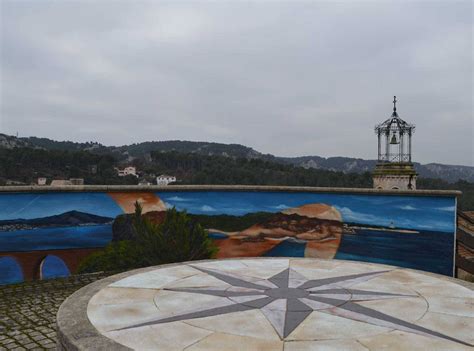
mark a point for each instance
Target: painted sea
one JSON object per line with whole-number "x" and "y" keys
{"x": 56, "y": 238}
{"x": 427, "y": 250}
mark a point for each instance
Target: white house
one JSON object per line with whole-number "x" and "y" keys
{"x": 65, "y": 182}
{"x": 77, "y": 181}
{"x": 60, "y": 182}
{"x": 42, "y": 180}
{"x": 130, "y": 170}
{"x": 165, "y": 179}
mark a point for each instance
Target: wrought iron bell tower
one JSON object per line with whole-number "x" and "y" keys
{"x": 394, "y": 168}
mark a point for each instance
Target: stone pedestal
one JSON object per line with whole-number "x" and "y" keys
{"x": 400, "y": 176}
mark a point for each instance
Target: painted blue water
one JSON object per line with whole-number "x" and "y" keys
{"x": 421, "y": 213}
{"x": 217, "y": 236}
{"x": 56, "y": 238}
{"x": 10, "y": 271}
{"x": 428, "y": 251}
{"x": 53, "y": 267}
{"x": 287, "y": 248}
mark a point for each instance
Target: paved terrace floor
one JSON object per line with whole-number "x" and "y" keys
{"x": 28, "y": 311}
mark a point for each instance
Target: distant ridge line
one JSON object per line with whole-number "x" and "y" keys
{"x": 450, "y": 173}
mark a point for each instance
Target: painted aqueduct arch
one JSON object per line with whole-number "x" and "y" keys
{"x": 31, "y": 262}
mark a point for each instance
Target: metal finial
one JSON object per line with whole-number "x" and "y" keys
{"x": 394, "y": 104}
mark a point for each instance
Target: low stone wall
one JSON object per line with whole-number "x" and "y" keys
{"x": 315, "y": 222}
{"x": 155, "y": 188}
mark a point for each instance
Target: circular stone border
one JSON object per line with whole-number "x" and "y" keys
{"x": 75, "y": 331}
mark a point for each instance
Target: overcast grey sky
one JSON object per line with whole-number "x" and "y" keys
{"x": 287, "y": 78}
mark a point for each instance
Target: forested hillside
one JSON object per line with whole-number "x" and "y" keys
{"x": 26, "y": 165}
{"x": 127, "y": 153}
{"x": 198, "y": 169}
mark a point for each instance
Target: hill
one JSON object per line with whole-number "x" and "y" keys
{"x": 450, "y": 173}
{"x": 25, "y": 165}
{"x": 128, "y": 153}
{"x": 23, "y": 160}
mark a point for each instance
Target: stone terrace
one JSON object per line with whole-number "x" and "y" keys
{"x": 28, "y": 311}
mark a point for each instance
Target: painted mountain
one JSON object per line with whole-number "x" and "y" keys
{"x": 312, "y": 230}
{"x": 66, "y": 219}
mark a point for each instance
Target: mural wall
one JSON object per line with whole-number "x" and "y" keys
{"x": 407, "y": 231}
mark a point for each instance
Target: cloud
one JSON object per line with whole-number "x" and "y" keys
{"x": 407, "y": 208}
{"x": 206, "y": 208}
{"x": 280, "y": 207}
{"x": 177, "y": 198}
{"x": 349, "y": 215}
{"x": 447, "y": 208}
{"x": 315, "y": 74}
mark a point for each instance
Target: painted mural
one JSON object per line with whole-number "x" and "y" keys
{"x": 408, "y": 231}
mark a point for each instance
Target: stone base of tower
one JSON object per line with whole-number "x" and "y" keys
{"x": 400, "y": 176}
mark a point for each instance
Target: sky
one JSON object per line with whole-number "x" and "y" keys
{"x": 288, "y": 78}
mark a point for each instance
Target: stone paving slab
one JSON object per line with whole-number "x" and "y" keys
{"x": 28, "y": 311}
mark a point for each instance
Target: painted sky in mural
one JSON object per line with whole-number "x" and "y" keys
{"x": 430, "y": 213}
{"x": 28, "y": 206}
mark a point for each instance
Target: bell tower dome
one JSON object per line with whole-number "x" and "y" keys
{"x": 394, "y": 169}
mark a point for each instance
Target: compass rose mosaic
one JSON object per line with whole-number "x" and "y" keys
{"x": 295, "y": 304}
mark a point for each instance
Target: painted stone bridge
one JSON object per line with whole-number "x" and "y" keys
{"x": 31, "y": 263}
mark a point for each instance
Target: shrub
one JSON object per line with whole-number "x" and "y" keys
{"x": 177, "y": 239}
{"x": 117, "y": 256}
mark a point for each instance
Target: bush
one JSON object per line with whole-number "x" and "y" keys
{"x": 117, "y": 256}
{"x": 177, "y": 239}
